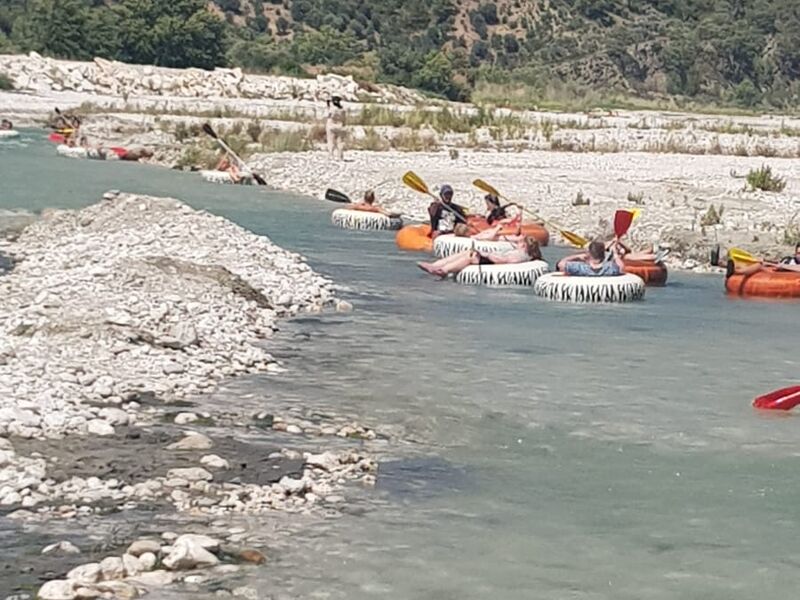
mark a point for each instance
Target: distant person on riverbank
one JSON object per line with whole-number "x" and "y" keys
{"x": 525, "y": 250}
{"x": 5, "y": 125}
{"x": 334, "y": 128}
{"x": 594, "y": 262}
{"x": 444, "y": 213}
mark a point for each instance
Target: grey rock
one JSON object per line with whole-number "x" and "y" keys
{"x": 88, "y": 573}
{"x": 57, "y": 589}
{"x": 192, "y": 441}
{"x": 142, "y": 546}
{"x": 63, "y": 548}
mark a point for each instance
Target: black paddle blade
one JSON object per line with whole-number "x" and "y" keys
{"x": 335, "y": 196}
{"x": 209, "y": 130}
{"x": 259, "y": 179}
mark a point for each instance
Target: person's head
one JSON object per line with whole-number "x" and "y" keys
{"x": 531, "y": 247}
{"x": 369, "y": 197}
{"x": 461, "y": 230}
{"x": 597, "y": 250}
{"x": 446, "y": 193}
{"x": 336, "y": 101}
{"x": 797, "y": 249}
{"x": 492, "y": 201}
{"x": 5, "y": 124}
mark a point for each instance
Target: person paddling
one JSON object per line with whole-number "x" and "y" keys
{"x": 226, "y": 164}
{"x": 6, "y": 125}
{"x": 593, "y": 263}
{"x": 444, "y": 213}
{"x": 788, "y": 263}
{"x": 497, "y": 213}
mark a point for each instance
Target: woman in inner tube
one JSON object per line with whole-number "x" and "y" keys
{"x": 526, "y": 249}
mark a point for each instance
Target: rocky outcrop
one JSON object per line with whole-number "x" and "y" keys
{"x": 35, "y": 73}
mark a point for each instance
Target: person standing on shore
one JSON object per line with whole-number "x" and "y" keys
{"x": 334, "y": 128}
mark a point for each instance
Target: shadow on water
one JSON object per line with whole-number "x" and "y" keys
{"x": 422, "y": 478}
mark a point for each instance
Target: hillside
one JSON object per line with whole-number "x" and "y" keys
{"x": 738, "y": 52}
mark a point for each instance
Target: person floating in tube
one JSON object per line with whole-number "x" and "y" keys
{"x": 334, "y": 128}
{"x": 444, "y": 213}
{"x": 788, "y": 263}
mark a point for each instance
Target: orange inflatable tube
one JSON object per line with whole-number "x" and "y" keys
{"x": 415, "y": 238}
{"x": 767, "y": 283}
{"x": 653, "y": 273}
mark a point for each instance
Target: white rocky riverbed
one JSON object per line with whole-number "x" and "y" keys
{"x": 110, "y": 315}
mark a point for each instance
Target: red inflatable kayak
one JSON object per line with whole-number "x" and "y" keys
{"x": 785, "y": 399}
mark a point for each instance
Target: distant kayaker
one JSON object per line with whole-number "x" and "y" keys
{"x": 791, "y": 263}
{"x": 5, "y": 125}
{"x": 444, "y": 213}
{"x": 334, "y": 128}
{"x": 368, "y": 204}
{"x": 593, "y": 263}
{"x": 525, "y": 250}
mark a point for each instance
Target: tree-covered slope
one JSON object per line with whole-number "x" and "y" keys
{"x": 745, "y": 52}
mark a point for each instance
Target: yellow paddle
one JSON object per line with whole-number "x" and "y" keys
{"x": 416, "y": 183}
{"x": 572, "y": 238}
{"x": 742, "y": 256}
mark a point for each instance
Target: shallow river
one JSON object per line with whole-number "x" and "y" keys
{"x": 581, "y": 452}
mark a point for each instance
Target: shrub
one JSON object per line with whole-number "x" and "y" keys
{"x": 286, "y": 141}
{"x": 254, "y": 130}
{"x": 5, "y": 82}
{"x": 763, "y": 179}
{"x": 712, "y": 216}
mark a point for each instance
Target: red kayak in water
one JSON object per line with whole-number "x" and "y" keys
{"x": 785, "y": 399}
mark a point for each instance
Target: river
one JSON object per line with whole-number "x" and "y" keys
{"x": 550, "y": 451}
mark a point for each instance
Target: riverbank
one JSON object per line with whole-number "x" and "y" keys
{"x": 114, "y": 321}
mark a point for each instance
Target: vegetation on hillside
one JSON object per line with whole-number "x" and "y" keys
{"x": 737, "y": 52}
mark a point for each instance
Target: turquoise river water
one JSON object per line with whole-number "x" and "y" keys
{"x": 561, "y": 452}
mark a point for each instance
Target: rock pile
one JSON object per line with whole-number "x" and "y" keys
{"x": 136, "y": 295}
{"x": 147, "y": 564}
{"x": 38, "y": 74}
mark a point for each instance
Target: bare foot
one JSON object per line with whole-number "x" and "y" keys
{"x": 427, "y": 267}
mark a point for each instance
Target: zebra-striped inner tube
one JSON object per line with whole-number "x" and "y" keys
{"x": 563, "y": 288}
{"x": 364, "y": 220}
{"x": 510, "y": 275}
{"x": 225, "y": 177}
{"x": 447, "y": 245}
{"x": 8, "y": 133}
{"x": 81, "y": 152}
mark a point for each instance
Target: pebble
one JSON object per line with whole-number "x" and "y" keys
{"x": 185, "y": 418}
{"x": 143, "y": 546}
{"x": 99, "y": 427}
{"x": 64, "y": 548}
{"x": 192, "y": 441}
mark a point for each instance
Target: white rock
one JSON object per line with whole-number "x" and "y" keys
{"x": 88, "y": 573}
{"x": 215, "y": 462}
{"x": 186, "y": 555}
{"x": 192, "y": 441}
{"x": 58, "y": 589}
{"x": 115, "y": 416}
{"x": 147, "y": 560}
{"x": 185, "y": 417}
{"x": 154, "y": 579}
{"x": 99, "y": 427}
{"x": 63, "y": 547}
{"x": 131, "y": 564}
{"x": 112, "y": 568}
{"x": 204, "y": 541}
{"x": 190, "y": 474}
{"x": 142, "y": 546}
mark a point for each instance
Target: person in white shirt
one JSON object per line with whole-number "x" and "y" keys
{"x": 334, "y": 128}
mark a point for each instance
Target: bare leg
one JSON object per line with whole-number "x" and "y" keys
{"x": 489, "y": 235}
{"x": 331, "y": 141}
{"x": 640, "y": 256}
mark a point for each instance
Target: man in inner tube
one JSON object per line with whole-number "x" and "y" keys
{"x": 444, "y": 213}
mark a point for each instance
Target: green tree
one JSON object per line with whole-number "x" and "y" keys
{"x": 54, "y": 27}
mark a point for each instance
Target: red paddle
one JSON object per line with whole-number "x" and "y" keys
{"x": 785, "y": 399}
{"x": 57, "y": 138}
{"x": 622, "y": 222}
{"x": 121, "y": 152}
